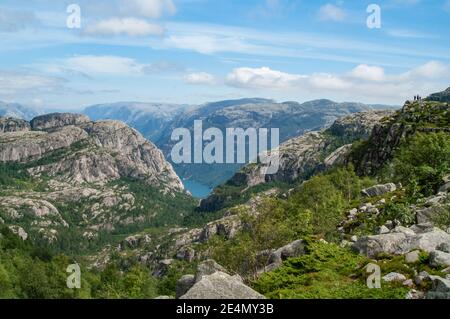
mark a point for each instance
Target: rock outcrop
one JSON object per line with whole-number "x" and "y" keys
{"x": 89, "y": 151}
{"x": 72, "y": 162}
{"x": 213, "y": 282}
{"x": 402, "y": 240}
{"x": 305, "y": 155}
{"x": 57, "y": 120}
{"x": 379, "y": 190}
{"x": 13, "y": 125}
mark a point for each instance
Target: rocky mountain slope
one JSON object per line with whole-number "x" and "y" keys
{"x": 396, "y": 227}
{"x": 302, "y": 157}
{"x": 157, "y": 122}
{"x": 64, "y": 175}
{"x": 292, "y": 118}
{"x": 371, "y": 192}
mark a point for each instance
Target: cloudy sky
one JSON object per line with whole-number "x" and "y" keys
{"x": 193, "y": 51}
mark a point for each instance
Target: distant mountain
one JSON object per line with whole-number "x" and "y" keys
{"x": 151, "y": 119}
{"x": 157, "y": 122}
{"x": 292, "y": 118}
{"x": 16, "y": 110}
{"x": 443, "y": 96}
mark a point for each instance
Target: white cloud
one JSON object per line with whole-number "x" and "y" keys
{"x": 330, "y": 12}
{"x": 150, "y": 8}
{"x": 12, "y": 83}
{"x": 363, "y": 82}
{"x": 430, "y": 70}
{"x": 367, "y": 72}
{"x": 325, "y": 81}
{"x": 209, "y": 43}
{"x": 403, "y": 33}
{"x": 200, "y": 78}
{"x": 103, "y": 65}
{"x": 127, "y": 26}
{"x": 90, "y": 66}
{"x": 261, "y": 78}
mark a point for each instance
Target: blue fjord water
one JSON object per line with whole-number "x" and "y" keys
{"x": 196, "y": 189}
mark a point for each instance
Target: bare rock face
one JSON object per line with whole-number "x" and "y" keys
{"x": 402, "y": 240}
{"x": 440, "y": 289}
{"x": 359, "y": 124}
{"x": 19, "y": 231}
{"x": 27, "y": 146}
{"x": 57, "y": 120}
{"x": 91, "y": 151}
{"x": 13, "y": 125}
{"x": 303, "y": 156}
{"x": 379, "y": 190}
{"x": 220, "y": 285}
{"x": 70, "y": 161}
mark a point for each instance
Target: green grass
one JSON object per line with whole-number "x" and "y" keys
{"x": 327, "y": 271}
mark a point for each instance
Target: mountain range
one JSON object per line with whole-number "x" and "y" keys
{"x": 372, "y": 189}
{"x": 157, "y": 123}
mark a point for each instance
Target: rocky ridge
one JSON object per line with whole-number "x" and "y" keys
{"x": 306, "y": 155}
{"x": 70, "y": 161}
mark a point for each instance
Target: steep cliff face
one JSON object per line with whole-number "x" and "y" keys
{"x": 93, "y": 151}
{"x": 306, "y": 155}
{"x": 417, "y": 116}
{"x": 71, "y": 175}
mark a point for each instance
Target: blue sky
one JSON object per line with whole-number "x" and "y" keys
{"x": 194, "y": 51}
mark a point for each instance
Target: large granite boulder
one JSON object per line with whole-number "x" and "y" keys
{"x": 379, "y": 190}
{"x": 401, "y": 241}
{"x": 220, "y": 285}
{"x": 440, "y": 289}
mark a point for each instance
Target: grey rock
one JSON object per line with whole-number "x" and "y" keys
{"x": 440, "y": 289}
{"x": 162, "y": 268}
{"x": 394, "y": 276}
{"x": 408, "y": 283}
{"x": 208, "y": 267}
{"x": 427, "y": 214}
{"x": 220, "y": 285}
{"x": 401, "y": 242}
{"x": 415, "y": 295}
{"x": 383, "y": 230}
{"x": 421, "y": 277}
{"x": 379, "y": 190}
{"x": 8, "y": 125}
{"x": 412, "y": 257}
{"x": 403, "y": 230}
{"x": 445, "y": 247}
{"x": 134, "y": 242}
{"x": 294, "y": 249}
{"x": 439, "y": 259}
{"x": 105, "y": 151}
{"x": 445, "y": 187}
{"x": 163, "y": 298}
{"x": 184, "y": 284}
{"x": 186, "y": 254}
{"x": 19, "y": 231}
